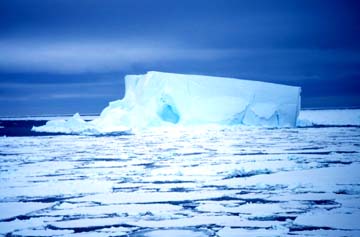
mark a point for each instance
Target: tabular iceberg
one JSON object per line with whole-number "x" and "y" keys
{"x": 159, "y": 98}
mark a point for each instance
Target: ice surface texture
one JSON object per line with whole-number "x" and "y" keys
{"x": 158, "y": 98}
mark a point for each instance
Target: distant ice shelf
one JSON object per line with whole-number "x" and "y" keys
{"x": 329, "y": 117}
{"x": 158, "y": 99}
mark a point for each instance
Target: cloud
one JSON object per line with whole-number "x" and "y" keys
{"x": 79, "y": 57}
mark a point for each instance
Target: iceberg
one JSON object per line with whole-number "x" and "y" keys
{"x": 162, "y": 99}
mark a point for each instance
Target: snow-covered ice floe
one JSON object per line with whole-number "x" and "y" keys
{"x": 158, "y": 98}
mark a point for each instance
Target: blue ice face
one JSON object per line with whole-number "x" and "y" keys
{"x": 169, "y": 114}
{"x": 168, "y": 111}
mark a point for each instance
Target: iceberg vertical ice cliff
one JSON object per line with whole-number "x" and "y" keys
{"x": 159, "y": 98}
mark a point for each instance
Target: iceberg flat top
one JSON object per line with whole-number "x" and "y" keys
{"x": 158, "y": 99}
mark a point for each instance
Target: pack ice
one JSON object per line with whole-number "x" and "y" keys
{"x": 158, "y": 98}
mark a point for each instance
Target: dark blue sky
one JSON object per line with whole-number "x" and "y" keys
{"x": 59, "y": 56}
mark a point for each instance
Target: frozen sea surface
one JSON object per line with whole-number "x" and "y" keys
{"x": 208, "y": 181}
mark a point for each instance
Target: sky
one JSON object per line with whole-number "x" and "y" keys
{"x": 63, "y": 57}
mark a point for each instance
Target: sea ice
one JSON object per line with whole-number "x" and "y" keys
{"x": 10, "y": 210}
{"x": 173, "y": 233}
{"x": 159, "y": 98}
{"x": 232, "y": 181}
{"x": 333, "y": 219}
